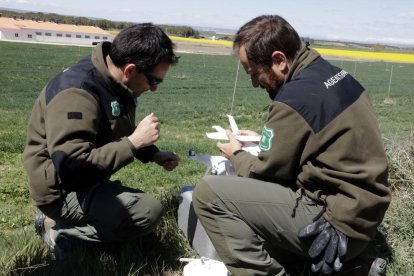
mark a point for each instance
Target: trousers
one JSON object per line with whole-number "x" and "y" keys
{"x": 251, "y": 226}
{"x": 106, "y": 212}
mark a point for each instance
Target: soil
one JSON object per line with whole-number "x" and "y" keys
{"x": 201, "y": 48}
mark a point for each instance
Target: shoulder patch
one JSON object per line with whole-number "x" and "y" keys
{"x": 75, "y": 115}
{"x": 320, "y": 93}
{"x": 266, "y": 140}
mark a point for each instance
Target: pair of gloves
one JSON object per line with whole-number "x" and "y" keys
{"x": 328, "y": 247}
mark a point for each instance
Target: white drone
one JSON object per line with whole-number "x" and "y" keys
{"x": 219, "y": 165}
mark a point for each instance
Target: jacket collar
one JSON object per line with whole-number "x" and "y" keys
{"x": 304, "y": 57}
{"x": 98, "y": 59}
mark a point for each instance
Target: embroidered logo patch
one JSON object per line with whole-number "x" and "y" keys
{"x": 116, "y": 110}
{"x": 266, "y": 140}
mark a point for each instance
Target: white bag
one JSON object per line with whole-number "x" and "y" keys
{"x": 205, "y": 267}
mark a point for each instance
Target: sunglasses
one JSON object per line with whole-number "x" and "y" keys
{"x": 152, "y": 81}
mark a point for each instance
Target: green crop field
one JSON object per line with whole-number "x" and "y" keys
{"x": 196, "y": 95}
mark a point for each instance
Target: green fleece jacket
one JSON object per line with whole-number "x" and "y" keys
{"x": 77, "y": 133}
{"x": 322, "y": 135}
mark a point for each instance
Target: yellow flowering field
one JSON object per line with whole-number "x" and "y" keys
{"x": 197, "y": 40}
{"x": 365, "y": 55}
{"x": 384, "y": 56}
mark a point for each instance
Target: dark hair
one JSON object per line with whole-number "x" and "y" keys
{"x": 144, "y": 45}
{"x": 265, "y": 34}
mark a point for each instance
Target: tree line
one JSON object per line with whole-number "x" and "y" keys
{"x": 105, "y": 24}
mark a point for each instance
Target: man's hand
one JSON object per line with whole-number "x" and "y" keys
{"x": 246, "y": 132}
{"x": 168, "y": 160}
{"x": 146, "y": 133}
{"x": 328, "y": 247}
{"x": 227, "y": 149}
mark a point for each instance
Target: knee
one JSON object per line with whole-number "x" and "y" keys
{"x": 199, "y": 194}
{"x": 203, "y": 195}
{"x": 143, "y": 216}
{"x": 147, "y": 213}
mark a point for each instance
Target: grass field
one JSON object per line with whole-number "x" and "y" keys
{"x": 197, "y": 94}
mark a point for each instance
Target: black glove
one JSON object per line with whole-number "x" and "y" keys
{"x": 328, "y": 247}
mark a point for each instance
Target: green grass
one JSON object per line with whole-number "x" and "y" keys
{"x": 197, "y": 94}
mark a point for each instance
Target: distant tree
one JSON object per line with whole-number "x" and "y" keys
{"x": 101, "y": 23}
{"x": 378, "y": 47}
{"x": 183, "y": 31}
{"x": 226, "y": 38}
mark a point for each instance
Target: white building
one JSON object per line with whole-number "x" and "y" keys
{"x": 13, "y": 29}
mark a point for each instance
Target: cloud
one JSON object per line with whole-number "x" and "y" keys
{"x": 406, "y": 15}
{"x": 125, "y": 10}
{"x": 19, "y": 2}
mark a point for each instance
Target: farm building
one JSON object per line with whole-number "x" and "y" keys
{"x": 23, "y": 30}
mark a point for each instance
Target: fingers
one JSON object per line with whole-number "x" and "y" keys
{"x": 243, "y": 132}
{"x": 320, "y": 242}
{"x": 342, "y": 243}
{"x": 153, "y": 120}
{"x": 147, "y": 132}
{"x": 247, "y": 132}
{"x": 170, "y": 165}
{"x": 327, "y": 248}
{"x": 230, "y": 135}
{"x": 337, "y": 264}
{"x": 220, "y": 146}
{"x": 332, "y": 248}
{"x": 151, "y": 117}
{"x": 308, "y": 230}
{"x": 316, "y": 267}
{"x": 173, "y": 159}
{"x": 326, "y": 269}
{"x": 168, "y": 160}
{"x": 223, "y": 148}
{"x": 312, "y": 229}
{"x": 232, "y": 139}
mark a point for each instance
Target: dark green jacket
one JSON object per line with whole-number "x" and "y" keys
{"x": 322, "y": 135}
{"x": 77, "y": 134}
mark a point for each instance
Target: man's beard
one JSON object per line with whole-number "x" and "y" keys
{"x": 275, "y": 82}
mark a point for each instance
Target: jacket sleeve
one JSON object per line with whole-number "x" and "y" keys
{"x": 146, "y": 154}
{"x": 72, "y": 121}
{"x": 284, "y": 137}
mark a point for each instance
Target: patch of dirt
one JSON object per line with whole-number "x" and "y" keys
{"x": 216, "y": 49}
{"x": 388, "y": 100}
{"x": 201, "y": 48}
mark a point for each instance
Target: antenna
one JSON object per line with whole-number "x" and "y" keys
{"x": 389, "y": 84}
{"x": 235, "y": 85}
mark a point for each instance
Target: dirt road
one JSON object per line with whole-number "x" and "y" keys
{"x": 202, "y": 48}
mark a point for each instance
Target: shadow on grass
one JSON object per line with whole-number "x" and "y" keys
{"x": 380, "y": 248}
{"x": 157, "y": 253}
{"x": 149, "y": 255}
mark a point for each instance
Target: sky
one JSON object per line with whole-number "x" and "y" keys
{"x": 371, "y": 21}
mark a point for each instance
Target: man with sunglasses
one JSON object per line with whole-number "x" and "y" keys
{"x": 82, "y": 130}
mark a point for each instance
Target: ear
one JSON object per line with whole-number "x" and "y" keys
{"x": 129, "y": 70}
{"x": 280, "y": 61}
